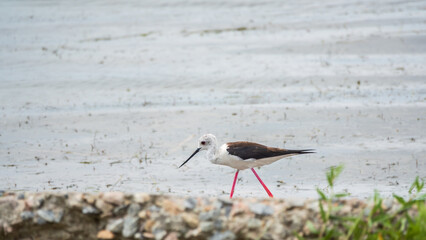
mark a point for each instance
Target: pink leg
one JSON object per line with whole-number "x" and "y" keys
{"x": 233, "y": 185}
{"x": 261, "y": 182}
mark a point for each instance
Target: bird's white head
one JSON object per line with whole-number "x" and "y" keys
{"x": 206, "y": 142}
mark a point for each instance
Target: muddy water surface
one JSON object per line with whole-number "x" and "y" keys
{"x": 103, "y": 96}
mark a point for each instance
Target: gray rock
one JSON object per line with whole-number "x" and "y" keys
{"x": 50, "y": 216}
{"x": 227, "y": 235}
{"x": 154, "y": 208}
{"x": 218, "y": 205}
{"x": 218, "y": 224}
{"x": 120, "y": 210}
{"x": 21, "y": 196}
{"x": 206, "y": 226}
{"x": 254, "y": 223}
{"x": 210, "y": 215}
{"x": 261, "y": 209}
{"x": 190, "y": 203}
{"x": 46, "y": 215}
{"x": 39, "y": 221}
{"x": 133, "y": 209}
{"x": 1, "y": 193}
{"x": 295, "y": 202}
{"x": 26, "y": 215}
{"x": 130, "y": 226}
{"x": 90, "y": 210}
{"x": 159, "y": 234}
{"x": 226, "y": 201}
{"x": 115, "y": 225}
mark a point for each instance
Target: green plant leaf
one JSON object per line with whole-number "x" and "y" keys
{"x": 340, "y": 195}
{"x": 311, "y": 227}
{"x": 322, "y": 194}
{"x": 399, "y": 199}
{"x": 333, "y": 173}
{"x": 322, "y": 212}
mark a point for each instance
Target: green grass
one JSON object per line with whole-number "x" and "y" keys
{"x": 408, "y": 221}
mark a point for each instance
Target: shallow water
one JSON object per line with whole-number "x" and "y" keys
{"x": 103, "y": 96}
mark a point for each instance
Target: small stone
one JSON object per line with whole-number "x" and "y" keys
{"x": 105, "y": 234}
{"x": 239, "y": 208}
{"x": 194, "y": 233}
{"x": 116, "y": 198}
{"x": 294, "y": 203}
{"x": 141, "y": 197}
{"x": 148, "y": 235}
{"x": 210, "y": 215}
{"x": 170, "y": 207}
{"x": 206, "y": 226}
{"x": 133, "y": 209}
{"x": 144, "y": 214}
{"x": 387, "y": 203}
{"x": 26, "y": 215}
{"x": 226, "y": 201}
{"x": 90, "y": 199}
{"x": 106, "y": 208}
{"x": 120, "y": 210}
{"x": 159, "y": 234}
{"x": 172, "y": 236}
{"x": 21, "y": 196}
{"x": 75, "y": 200}
{"x": 190, "y": 204}
{"x": 90, "y": 210}
{"x": 261, "y": 209}
{"x": 1, "y": 193}
{"x": 130, "y": 226}
{"x": 346, "y": 210}
{"x": 227, "y": 235}
{"x": 50, "y": 216}
{"x": 190, "y": 219}
{"x": 154, "y": 208}
{"x": 39, "y": 221}
{"x": 34, "y": 201}
{"x": 254, "y": 223}
{"x": 138, "y": 235}
{"x": 115, "y": 225}
{"x": 148, "y": 225}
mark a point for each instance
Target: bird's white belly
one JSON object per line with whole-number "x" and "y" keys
{"x": 232, "y": 161}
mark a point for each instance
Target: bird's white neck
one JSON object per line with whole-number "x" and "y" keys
{"x": 212, "y": 153}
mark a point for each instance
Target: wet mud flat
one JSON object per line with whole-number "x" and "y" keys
{"x": 100, "y": 97}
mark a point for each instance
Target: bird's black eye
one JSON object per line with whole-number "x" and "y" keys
{"x": 203, "y": 142}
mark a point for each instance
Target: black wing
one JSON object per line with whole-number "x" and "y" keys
{"x": 248, "y": 150}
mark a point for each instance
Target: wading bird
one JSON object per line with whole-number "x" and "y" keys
{"x": 242, "y": 155}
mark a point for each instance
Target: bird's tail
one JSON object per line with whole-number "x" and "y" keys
{"x": 304, "y": 151}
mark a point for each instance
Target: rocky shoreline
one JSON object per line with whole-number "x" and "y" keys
{"x": 117, "y": 215}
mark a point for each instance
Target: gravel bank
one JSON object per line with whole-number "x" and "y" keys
{"x": 116, "y": 215}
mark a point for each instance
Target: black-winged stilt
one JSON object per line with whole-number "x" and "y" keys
{"x": 242, "y": 155}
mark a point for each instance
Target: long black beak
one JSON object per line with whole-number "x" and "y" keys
{"x": 196, "y": 151}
